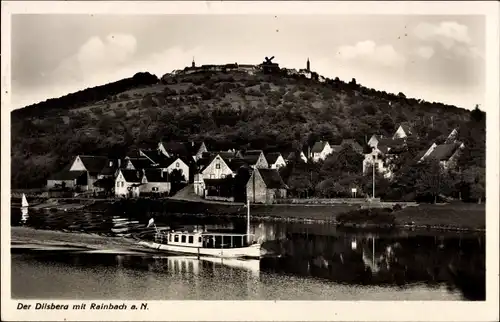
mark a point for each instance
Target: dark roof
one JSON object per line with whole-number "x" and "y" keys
{"x": 223, "y": 154}
{"x": 93, "y": 163}
{"x": 272, "y": 179}
{"x": 336, "y": 148}
{"x": 193, "y": 146}
{"x": 131, "y": 175}
{"x": 291, "y": 155}
{"x": 160, "y": 159}
{"x": 141, "y": 163}
{"x": 153, "y": 175}
{"x": 272, "y": 157}
{"x": 406, "y": 127}
{"x": 318, "y": 147}
{"x": 443, "y": 152}
{"x": 235, "y": 164}
{"x": 176, "y": 148}
{"x": 67, "y": 175}
{"x": 355, "y": 145}
{"x": 110, "y": 169}
{"x": 252, "y": 156}
{"x": 420, "y": 155}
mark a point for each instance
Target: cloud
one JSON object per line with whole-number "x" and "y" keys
{"x": 97, "y": 56}
{"x": 425, "y": 52}
{"x": 369, "y": 51}
{"x": 448, "y": 33}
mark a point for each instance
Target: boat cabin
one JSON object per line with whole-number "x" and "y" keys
{"x": 206, "y": 239}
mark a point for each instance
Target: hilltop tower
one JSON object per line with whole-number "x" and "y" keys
{"x": 308, "y": 65}
{"x": 193, "y": 65}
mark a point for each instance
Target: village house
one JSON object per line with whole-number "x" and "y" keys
{"x": 320, "y": 151}
{"x": 93, "y": 165}
{"x": 111, "y": 168}
{"x": 291, "y": 156}
{"x": 196, "y": 149}
{"x": 402, "y": 132}
{"x": 446, "y": 154}
{"x": 158, "y": 160}
{"x": 374, "y": 140}
{"x": 356, "y": 147}
{"x": 266, "y": 186}
{"x": 381, "y": 156}
{"x": 217, "y": 166}
{"x": 155, "y": 182}
{"x": 128, "y": 183}
{"x": 275, "y": 160}
{"x": 68, "y": 179}
{"x": 452, "y": 137}
{"x": 255, "y": 158}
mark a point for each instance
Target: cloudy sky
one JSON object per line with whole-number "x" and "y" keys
{"x": 437, "y": 58}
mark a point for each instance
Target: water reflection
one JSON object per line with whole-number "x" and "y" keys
{"x": 323, "y": 253}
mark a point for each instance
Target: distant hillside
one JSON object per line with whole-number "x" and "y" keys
{"x": 263, "y": 111}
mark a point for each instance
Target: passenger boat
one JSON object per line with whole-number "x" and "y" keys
{"x": 202, "y": 243}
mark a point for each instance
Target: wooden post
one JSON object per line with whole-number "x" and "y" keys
{"x": 248, "y": 221}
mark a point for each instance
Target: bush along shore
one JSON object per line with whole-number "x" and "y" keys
{"x": 460, "y": 216}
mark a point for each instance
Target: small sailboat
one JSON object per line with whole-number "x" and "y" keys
{"x": 24, "y": 201}
{"x": 223, "y": 245}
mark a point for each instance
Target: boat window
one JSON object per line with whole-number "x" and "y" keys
{"x": 183, "y": 238}
{"x": 176, "y": 238}
{"x": 190, "y": 239}
{"x": 199, "y": 239}
{"x": 170, "y": 237}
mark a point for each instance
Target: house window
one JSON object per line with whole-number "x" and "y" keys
{"x": 170, "y": 238}
{"x": 176, "y": 238}
{"x": 118, "y": 184}
{"x": 190, "y": 239}
{"x": 154, "y": 189}
{"x": 199, "y": 239}
{"x": 183, "y": 238}
{"x": 177, "y": 164}
{"x": 123, "y": 184}
{"x": 217, "y": 165}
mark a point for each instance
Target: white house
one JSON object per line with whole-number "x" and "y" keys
{"x": 376, "y": 158}
{"x": 217, "y": 168}
{"x": 275, "y": 160}
{"x": 176, "y": 164}
{"x": 446, "y": 154}
{"x": 128, "y": 183}
{"x": 374, "y": 140}
{"x": 320, "y": 151}
{"x": 155, "y": 182}
{"x": 402, "y": 132}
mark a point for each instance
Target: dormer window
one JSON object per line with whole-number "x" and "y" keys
{"x": 217, "y": 165}
{"x": 177, "y": 164}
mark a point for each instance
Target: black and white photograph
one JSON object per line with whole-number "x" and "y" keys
{"x": 214, "y": 152}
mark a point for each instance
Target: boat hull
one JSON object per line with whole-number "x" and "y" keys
{"x": 252, "y": 251}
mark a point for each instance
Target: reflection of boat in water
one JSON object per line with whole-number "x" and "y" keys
{"x": 193, "y": 264}
{"x": 223, "y": 245}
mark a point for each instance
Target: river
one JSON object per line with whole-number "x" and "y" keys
{"x": 313, "y": 262}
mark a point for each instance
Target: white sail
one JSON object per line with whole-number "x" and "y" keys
{"x": 24, "y": 201}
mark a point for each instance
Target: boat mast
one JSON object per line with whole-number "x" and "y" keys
{"x": 248, "y": 220}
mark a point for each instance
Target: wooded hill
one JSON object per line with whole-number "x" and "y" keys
{"x": 273, "y": 112}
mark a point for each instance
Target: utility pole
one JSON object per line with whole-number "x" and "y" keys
{"x": 373, "y": 168}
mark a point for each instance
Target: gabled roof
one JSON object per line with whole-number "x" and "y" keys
{"x": 132, "y": 175}
{"x": 235, "y": 164}
{"x": 93, "y": 164}
{"x": 252, "y": 156}
{"x": 318, "y": 147}
{"x": 336, "y": 148}
{"x": 153, "y": 175}
{"x": 272, "y": 179}
{"x": 443, "y": 152}
{"x": 111, "y": 169}
{"x": 160, "y": 159}
{"x": 406, "y": 127}
{"x": 291, "y": 155}
{"x": 355, "y": 145}
{"x": 141, "y": 163}
{"x": 176, "y": 148}
{"x": 193, "y": 146}
{"x": 272, "y": 157}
